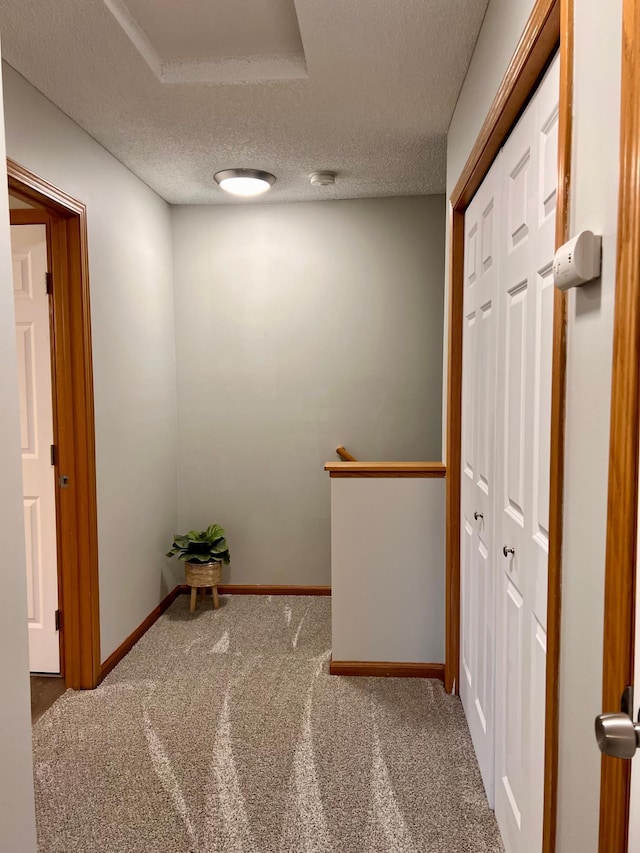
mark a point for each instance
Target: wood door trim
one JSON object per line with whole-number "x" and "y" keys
{"x": 36, "y": 190}
{"x": 454, "y": 452}
{"x": 73, "y": 423}
{"x": 28, "y": 217}
{"x": 550, "y": 25}
{"x": 556, "y": 454}
{"x": 622, "y": 510}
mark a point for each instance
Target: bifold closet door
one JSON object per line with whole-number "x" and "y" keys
{"x": 525, "y": 321}
{"x": 477, "y": 688}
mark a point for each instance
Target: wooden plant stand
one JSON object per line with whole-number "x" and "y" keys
{"x": 199, "y": 576}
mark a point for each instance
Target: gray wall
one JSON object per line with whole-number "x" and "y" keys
{"x": 17, "y": 816}
{"x": 594, "y": 205}
{"x": 301, "y": 327}
{"x": 594, "y": 200}
{"x": 133, "y": 353}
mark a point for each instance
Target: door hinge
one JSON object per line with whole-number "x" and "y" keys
{"x": 49, "y": 281}
{"x": 626, "y": 701}
{"x": 58, "y": 620}
{"x": 53, "y": 454}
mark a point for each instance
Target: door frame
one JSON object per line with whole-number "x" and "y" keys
{"x": 622, "y": 509}
{"x": 74, "y": 427}
{"x": 549, "y": 28}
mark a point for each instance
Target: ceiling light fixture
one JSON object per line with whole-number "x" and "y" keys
{"x": 244, "y": 182}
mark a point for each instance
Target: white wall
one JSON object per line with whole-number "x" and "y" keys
{"x": 387, "y": 569}
{"x": 300, "y": 327}
{"x": 595, "y": 187}
{"x": 133, "y": 353}
{"x": 17, "y": 815}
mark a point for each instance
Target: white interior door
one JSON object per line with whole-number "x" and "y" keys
{"x": 482, "y": 235}
{"x": 29, "y": 252}
{"x": 529, "y": 169}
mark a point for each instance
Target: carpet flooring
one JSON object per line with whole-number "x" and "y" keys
{"x": 222, "y": 732}
{"x": 45, "y": 689}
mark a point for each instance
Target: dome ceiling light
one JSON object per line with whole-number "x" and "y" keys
{"x": 244, "y": 182}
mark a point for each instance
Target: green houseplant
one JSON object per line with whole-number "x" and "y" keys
{"x": 201, "y": 546}
{"x": 203, "y": 553}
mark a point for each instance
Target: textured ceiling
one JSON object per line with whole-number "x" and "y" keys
{"x": 365, "y": 88}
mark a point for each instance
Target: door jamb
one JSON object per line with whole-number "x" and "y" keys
{"x": 74, "y": 427}
{"x": 550, "y": 26}
{"x": 622, "y": 509}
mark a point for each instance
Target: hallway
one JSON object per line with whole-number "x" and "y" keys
{"x": 223, "y": 731}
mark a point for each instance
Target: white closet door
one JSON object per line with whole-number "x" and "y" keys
{"x": 482, "y": 236}
{"x": 529, "y": 178}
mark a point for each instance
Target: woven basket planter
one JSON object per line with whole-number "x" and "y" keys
{"x": 200, "y": 576}
{"x": 203, "y": 574}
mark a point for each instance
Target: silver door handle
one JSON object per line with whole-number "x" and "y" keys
{"x": 478, "y": 515}
{"x": 506, "y": 551}
{"x": 617, "y": 735}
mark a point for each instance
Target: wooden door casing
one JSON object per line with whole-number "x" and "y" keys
{"x": 74, "y": 420}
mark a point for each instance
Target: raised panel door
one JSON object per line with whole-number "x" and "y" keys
{"x": 482, "y": 232}
{"x": 29, "y": 254}
{"x": 524, "y": 405}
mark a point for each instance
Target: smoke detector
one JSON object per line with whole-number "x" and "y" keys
{"x": 322, "y": 179}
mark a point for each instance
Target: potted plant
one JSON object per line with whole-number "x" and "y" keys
{"x": 203, "y": 553}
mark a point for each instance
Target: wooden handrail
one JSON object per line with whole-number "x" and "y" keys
{"x": 345, "y": 455}
{"x": 386, "y": 469}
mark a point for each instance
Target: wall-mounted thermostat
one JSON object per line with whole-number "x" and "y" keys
{"x": 578, "y": 261}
